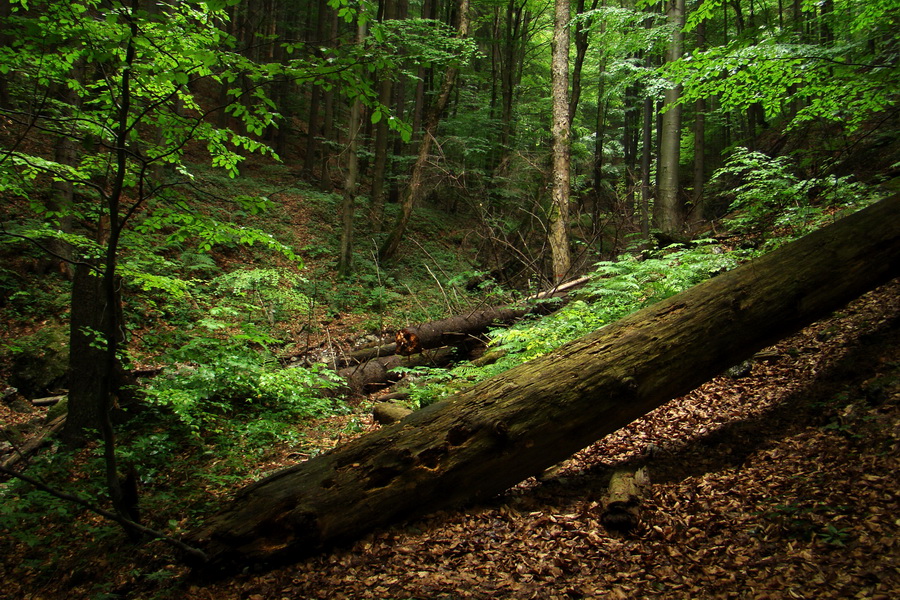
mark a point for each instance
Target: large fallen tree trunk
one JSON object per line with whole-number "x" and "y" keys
{"x": 485, "y": 439}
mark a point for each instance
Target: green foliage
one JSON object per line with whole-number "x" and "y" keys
{"x": 770, "y": 199}
{"x": 767, "y": 190}
{"x": 846, "y": 81}
{"x": 270, "y": 292}
{"x": 218, "y": 377}
{"x": 616, "y": 289}
{"x": 182, "y": 225}
{"x": 438, "y": 382}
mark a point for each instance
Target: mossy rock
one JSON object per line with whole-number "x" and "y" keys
{"x": 40, "y": 361}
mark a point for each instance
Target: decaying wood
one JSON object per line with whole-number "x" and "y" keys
{"x": 483, "y": 440}
{"x": 376, "y": 372}
{"x": 458, "y": 329}
{"x": 48, "y": 401}
{"x": 35, "y": 442}
{"x": 621, "y": 507}
{"x": 388, "y": 412}
{"x": 445, "y": 332}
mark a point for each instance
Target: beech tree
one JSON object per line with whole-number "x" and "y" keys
{"x": 560, "y": 132}
{"x": 122, "y": 84}
{"x": 668, "y": 208}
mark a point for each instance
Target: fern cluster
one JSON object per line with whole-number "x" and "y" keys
{"x": 220, "y": 378}
{"x": 616, "y": 289}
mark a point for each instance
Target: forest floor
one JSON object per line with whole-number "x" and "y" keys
{"x": 781, "y": 483}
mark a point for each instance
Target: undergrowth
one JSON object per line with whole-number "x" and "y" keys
{"x": 216, "y": 313}
{"x": 616, "y": 289}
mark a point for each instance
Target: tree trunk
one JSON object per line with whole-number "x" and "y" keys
{"x": 667, "y": 211}
{"x": 696, "y": 210}
{"x": 646, "y": 162}
{"x": 87, "y": 363}
{"x": 485, "y": 439}
{"x": 348, "y": 205}
{"x": 5, "y": 40}
{"x": 379, "y": 169}
{"x": 559, "y": 201}
{"x": 309, "y": 160}
{"x": 582, "y": 41}
{"x": 329, "y": 101}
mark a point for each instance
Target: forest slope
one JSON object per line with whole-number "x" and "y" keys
{"x": 779, "y": 484}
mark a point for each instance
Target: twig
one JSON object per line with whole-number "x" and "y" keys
{"x": 443, "y": 292}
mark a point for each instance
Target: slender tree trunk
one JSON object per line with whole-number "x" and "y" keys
{"x": 423, "y": 78}
{"x": 582, "y": 40}
{"x": 63, "y": 195}
{"x": 5, "y": 11}
{"x": 379, "y": 169}
{"x": 696, "y": 211}
{"x": 96, "y": 318}
{"x": 413, "y": 192}
{"x": 329, "y": 101}
{"x": 631, "y": 134}
{"x": 601, "y": 201}
{"x": 667, "y": 210}
{"x": 315, "y": 101}
{"x": 560, "y": 131}
{"x": 345, "y": 258}
{"x": 646, "y": 156}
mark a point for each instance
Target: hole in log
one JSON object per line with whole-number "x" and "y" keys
{"x": 458, "y": 434}
{"x": 381, "y": 477}
{"x": 328, "y": 483}
{"x": 431, "y": 458}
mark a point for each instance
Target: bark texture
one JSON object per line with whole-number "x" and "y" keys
{"x": 559, "y": 202}
{"x": 668, "y": 209}
{"x": 485, "y": 439}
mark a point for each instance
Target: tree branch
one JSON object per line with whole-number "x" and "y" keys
{"x": 195, "y": 554}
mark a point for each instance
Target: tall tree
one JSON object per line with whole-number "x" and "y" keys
{"x": 696, "y": 210}
{"x": 345, "y": 258}
{"x": 379, "y": 169}
{"x": 668, "y": 210}
{"x": 142, "y": 59}
{"x": 560, "y": 132}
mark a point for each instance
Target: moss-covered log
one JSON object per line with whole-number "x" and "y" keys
{"x": 485, "y": 439}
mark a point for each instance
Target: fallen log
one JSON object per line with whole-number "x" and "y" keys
{"x": 35, "y": 442}
{"x": 376, "y": 372}
{"x": 623, "y": 500}
{"x": 48, "y": 401}
{"x": 452, "y": 330}
{"x": 485, "y": 439}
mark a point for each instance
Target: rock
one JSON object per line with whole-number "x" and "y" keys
{"x": 387, "y": 412}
